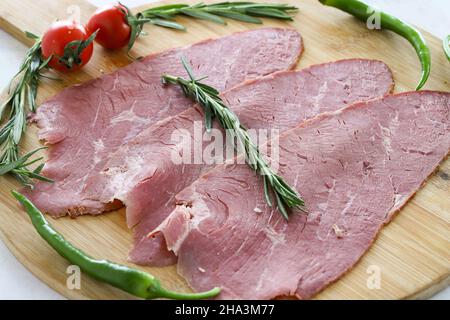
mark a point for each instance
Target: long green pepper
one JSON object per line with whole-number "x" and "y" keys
{"x": 363, "y": 11}
{"x": 133, "y": 281}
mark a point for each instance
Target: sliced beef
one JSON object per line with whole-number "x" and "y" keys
{"x": 355, "y": 168}
{"x": 85, "y": 124}
{"x": 280, "y": 101}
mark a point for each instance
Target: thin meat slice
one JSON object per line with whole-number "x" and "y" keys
{"x": 280, "y": 101}
{"x": 85, "y": 124}
{"x": 355, "y": 168}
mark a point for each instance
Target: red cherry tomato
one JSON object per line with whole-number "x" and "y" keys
{"x": 56, "y": 39}
{"x": 111, "y": 23}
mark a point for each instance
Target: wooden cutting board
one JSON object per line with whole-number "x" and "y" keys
{"x": 412, "y": 253}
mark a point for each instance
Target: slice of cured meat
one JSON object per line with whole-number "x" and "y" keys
{"x": 280, "y": 101}
{"x": 355, "y": 168}
{"x": 85, "y": 124}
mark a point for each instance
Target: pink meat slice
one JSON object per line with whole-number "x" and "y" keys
{"x": 280, "y": 101}
{"x": 355, "y": 168}
{"x": 85, "y": 124}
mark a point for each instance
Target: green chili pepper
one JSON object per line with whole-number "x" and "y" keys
{"x": 446, "y": 46}
{"x": 135, "y": 282}
{"x": 363, "y": 11}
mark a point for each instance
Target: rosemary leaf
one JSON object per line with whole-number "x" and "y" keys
{"x": 236, "y": 16}
{"x": 39, "y": 168}
{"x": 167, "y": 24}
{"x": 167, "y": 7}
{"x": 208, "y": 118}
{"x": 266, "y": 191}
{"x": 33, "y": 175}
{"x": 6, "y": 168}
{"x": 281, "y": 206}
{"x": 188, "y": 69}
{"x": 269, "y": 13}
{"x": 33, "y": 162}
{"x": 164, "y": 15}
{"x": 199, "y": 14}
{"x": 19, "y": 119}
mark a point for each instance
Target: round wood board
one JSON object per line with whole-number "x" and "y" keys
{"x": 412, "y": 253}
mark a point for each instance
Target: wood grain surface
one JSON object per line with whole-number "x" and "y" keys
{"x": 412, "y": 253}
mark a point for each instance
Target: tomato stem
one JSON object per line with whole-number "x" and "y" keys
{"x": 73, "y": 49}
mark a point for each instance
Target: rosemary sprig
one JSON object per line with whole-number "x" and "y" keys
{"x": 214, "y": 107}
{"x": 241, "y": 11}
{"x": 73, "y": 50}
{"x": 164, "y": 16}
{"x": 20, "y": 100}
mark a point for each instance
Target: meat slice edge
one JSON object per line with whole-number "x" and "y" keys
{"x": 279, "y": 101}
{"x": 84, "y": 124}
{"x": 355, "y": 168}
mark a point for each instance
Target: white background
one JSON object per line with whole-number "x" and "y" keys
{"x": 16, "y": 282}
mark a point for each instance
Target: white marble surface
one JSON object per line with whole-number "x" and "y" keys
{"x": 16, "y": 282}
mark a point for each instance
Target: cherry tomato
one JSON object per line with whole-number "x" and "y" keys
{"x": 56, "y": 39}
{"x": 112, "y": 25}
